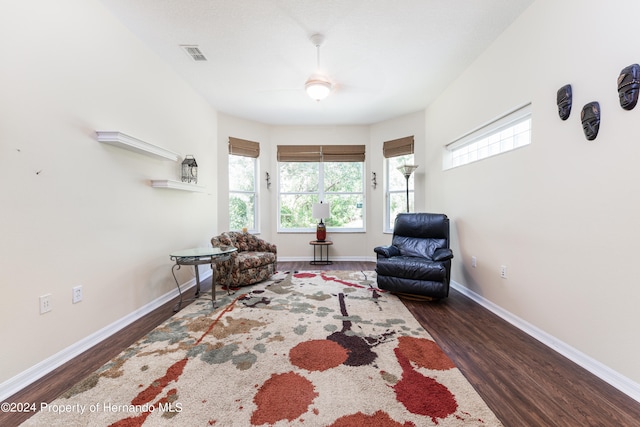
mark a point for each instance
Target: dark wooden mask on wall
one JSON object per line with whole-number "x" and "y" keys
{"x": 564, "y": 99}
{"x": 590, "y": 117}
{"x": 629, "y": 86}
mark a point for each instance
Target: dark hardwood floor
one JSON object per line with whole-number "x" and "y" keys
{"x": 524, "y": 382}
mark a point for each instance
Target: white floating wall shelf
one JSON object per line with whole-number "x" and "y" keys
{"x": 130, "y": 143}
{"x": 177, "y": 185}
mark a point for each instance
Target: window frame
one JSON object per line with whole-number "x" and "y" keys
{"x": 403, "y": 148}
{"x": 490, "y": 139}
{"x": 322, "y": 196}
{"x": 388, "y": 221}
{"x": 253, "y": 228}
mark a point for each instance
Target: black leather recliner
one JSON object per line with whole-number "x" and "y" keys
{"x": 418, "y": 261}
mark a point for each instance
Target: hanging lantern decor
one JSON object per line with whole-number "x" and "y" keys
{"x": 189, "y": 170}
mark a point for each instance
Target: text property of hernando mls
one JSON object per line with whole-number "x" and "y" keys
{"x": 96, "y": 407}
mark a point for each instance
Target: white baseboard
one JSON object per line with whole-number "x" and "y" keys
{"x": 622, "y": 383}
{"x": 34, "y": 373}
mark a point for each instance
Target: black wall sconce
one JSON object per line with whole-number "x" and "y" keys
{"x": 189, "y": 170}
{"x": 374, "y": 181}
{"x": 268, "y": 179}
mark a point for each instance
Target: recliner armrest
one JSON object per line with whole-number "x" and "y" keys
{"x": 387, "y": 251}
{"x": 442, "y": 254}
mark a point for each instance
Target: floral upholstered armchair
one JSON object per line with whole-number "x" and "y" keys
{"x": 254, "y": 261}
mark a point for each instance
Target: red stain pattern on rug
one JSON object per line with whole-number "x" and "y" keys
{"x": 156, "y": 387}
{"x": 342, "y": 282}
{"x": 423, "y": 395}
{"x": 140, "y": 419}
{"x": 151, "y": 392}
{"x": 318, "y": 355}
{"x": 282, "y": 397}
{"x": 424, "y": 353}
{"x": 378, "y": 419}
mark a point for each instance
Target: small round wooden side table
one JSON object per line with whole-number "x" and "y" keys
{"x": 323, "y": 260}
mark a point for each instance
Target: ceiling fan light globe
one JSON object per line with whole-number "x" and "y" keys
{"x": 318, "y": 89}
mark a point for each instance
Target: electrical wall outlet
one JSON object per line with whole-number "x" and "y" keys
{"x": 503, "y": 271}
{"x": 76, "y": 294}
{"x": 474, "y": 262}
{"x": 45, "y": 304}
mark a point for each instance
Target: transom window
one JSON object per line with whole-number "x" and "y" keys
{"x": 509, "y": 132}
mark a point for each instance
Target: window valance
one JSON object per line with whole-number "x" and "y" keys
{"x": 398, "y": 147}
{"x": 321, "y": 153}
{"x": 242, "y": 147}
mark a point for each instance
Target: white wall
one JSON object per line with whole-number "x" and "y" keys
{"x": 562, "y": 212}
{"x": 78, "y": 212}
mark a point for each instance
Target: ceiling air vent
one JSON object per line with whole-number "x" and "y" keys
{"x": 194, "y": 52}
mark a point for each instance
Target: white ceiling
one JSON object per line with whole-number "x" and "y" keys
{"x": 386, "y": 58}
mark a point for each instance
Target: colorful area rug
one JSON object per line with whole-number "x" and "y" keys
{"x": 303, "y": 349}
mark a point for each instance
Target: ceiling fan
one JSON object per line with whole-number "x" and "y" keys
{"x": 318, "y": 86}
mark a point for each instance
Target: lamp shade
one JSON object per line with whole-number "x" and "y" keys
{"x": 321, "y": 210}
{"x": 318, "y": 87}
{"x": 407, "y": 170}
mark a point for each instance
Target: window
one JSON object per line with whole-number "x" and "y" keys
{"x": 331, "y": 174}
{"x": 397, "y": 152}
{"x": 397, "y": 189}
{"x": 511, "y": 131}
{"x": 243, "y": 197}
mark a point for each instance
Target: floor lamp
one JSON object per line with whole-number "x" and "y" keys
{"x": 407, "y": 170}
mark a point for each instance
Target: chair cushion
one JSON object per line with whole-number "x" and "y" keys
{"x": 415, "y": 268}
{"x": 249, "y": 259}
{"x": 418, "y": 247}
{"x": 422, "y": 225}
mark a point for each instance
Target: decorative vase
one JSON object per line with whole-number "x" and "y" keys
{"x": 321, "y": 232}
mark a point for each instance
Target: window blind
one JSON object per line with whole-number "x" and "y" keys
{"x": 506, "y": 120}
{"x": 321, "y": 153}
{"x": 398, "y": 147}
{"x": 242, "y": 147}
